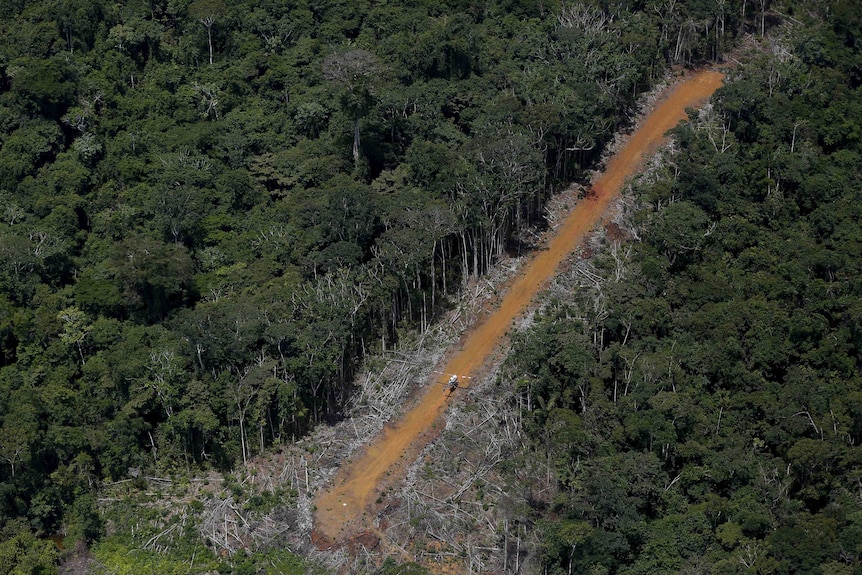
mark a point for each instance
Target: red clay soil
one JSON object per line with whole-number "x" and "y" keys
{"x": 346, "y": 510}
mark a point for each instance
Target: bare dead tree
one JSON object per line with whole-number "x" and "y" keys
{"x": 207, "y": 12}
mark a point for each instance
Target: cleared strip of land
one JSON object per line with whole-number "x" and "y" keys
{"x": 345, "y": 508}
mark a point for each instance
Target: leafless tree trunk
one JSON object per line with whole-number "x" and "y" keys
{"x": 208, "y": 22}
{"x": 356, "y": 140}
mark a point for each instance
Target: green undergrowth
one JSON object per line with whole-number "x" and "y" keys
{"x": 116, "y": 557}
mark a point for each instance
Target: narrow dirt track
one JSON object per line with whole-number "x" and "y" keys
{"x": 346, "y": 509}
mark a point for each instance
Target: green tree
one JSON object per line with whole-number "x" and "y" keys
{"x": 353, "y": 71}
{"x": 22, "y": 553}
{"x": 19, "y": 433}
{"x": 76, "y": 327}
{"x": 154, "y": 277}
{"x": 42, "y": 87}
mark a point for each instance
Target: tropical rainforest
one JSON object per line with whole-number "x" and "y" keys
{"x": 697, "y": 390}
{"x": 211, "y": 212}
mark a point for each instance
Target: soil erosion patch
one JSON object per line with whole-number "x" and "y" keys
{"x": 346, "y": 508}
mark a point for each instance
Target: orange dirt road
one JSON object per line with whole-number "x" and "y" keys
{"x": 346, "y": 508}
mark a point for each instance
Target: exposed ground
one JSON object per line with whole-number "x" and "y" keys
{"x": 353, "y": 511}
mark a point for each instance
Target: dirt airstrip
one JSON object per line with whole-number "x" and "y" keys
{"x": 346, "y": 508}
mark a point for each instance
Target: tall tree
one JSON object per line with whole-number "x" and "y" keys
{"x": 353, "y": 71}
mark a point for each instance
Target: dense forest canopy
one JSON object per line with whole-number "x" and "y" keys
{"x": 212, "y": 210}
{"x": 697, "y": 388}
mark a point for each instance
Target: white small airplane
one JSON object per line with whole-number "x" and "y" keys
{"x": 452, "y": 384}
